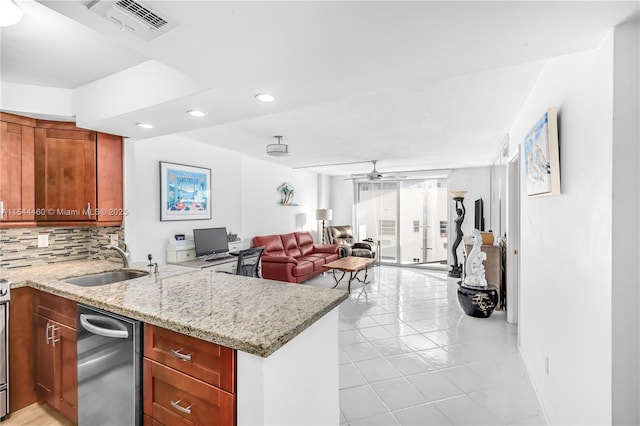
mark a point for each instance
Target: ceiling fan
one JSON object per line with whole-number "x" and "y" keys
{"x": 376, "y": 176}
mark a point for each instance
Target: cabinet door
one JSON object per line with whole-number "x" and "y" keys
{"x": 66, "y": 369}
{"x": 16, "y": 172}
{"x": 56, "y": 373}
{"x": 65, "y": 174}
{"x": 45, "y": 359}
{"x": 109, "y": 179}
{"x": 21, "y": 349}
{"x": 175, "y": 398}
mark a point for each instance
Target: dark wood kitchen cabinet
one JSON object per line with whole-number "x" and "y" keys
{"x": 55, "y": 336}
{"x": 53, "y": 173}
{"x": 109, "y": 179}
{"x": 187, "y": 380}
{"x": 65, "y": 169}
{"x": 78, "y": 176}
{"x": 21, "y": 348}
{"x": 17, "y": 202}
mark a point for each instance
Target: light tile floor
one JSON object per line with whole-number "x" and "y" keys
{"x": 410, "y": 356}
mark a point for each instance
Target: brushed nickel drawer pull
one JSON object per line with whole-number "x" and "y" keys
{"x": 53, "y": 335}
{"x": 180, "y": 355}
{"x": 46, "y": 337}
{"x": 177, "y": 406}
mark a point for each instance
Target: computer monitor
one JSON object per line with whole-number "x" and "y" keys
{"x": 210, "y": 241}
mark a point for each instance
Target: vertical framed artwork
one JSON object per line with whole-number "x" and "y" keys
{"x": 185, "y": 192}
{"x": 542, "y": 156}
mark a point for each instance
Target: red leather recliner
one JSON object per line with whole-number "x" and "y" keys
{"x": 293, "y": 257}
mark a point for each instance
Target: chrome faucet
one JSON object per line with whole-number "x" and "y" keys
{"x": 124, "y": 254}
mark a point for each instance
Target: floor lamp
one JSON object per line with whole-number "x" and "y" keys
{"x": 458, "y": 197}
{"x": 323, "y": 214}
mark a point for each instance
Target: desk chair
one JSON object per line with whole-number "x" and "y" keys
{"x": 249, "y": 262}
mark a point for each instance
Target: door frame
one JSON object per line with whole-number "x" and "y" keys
{"x": 513, "y": 239}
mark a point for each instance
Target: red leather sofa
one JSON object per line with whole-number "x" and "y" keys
{"x": 293, "y": 257}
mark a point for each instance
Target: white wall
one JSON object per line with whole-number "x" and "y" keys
{"x": 244, "y": 193}
{"x": 342, "y": 200}
{"x": 477, "y": 182}
{"x": 565, "y": 310}
{"x": 261, "y": 213}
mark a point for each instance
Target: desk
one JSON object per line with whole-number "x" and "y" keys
{"x": 222, "y": 265}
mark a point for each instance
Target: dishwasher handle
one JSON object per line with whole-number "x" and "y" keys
{"x": 118, "y": 331}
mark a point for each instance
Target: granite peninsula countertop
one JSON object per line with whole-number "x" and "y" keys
{"x": 252, "y": 315}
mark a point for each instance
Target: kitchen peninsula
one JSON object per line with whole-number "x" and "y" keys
{"x": 285, "y": 335}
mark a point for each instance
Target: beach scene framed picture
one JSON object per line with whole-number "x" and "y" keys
{"x": 185, "y": 192}
{"x": 542, "y": 156}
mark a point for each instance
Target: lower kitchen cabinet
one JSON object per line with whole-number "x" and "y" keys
{"x": 187, "y": 381}
{"x": 56, "y": 376}
{"x": 172, "y": 397}
{"x": 21, "y": 349}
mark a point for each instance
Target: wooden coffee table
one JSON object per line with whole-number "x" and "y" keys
{"x": 350, "y": 264}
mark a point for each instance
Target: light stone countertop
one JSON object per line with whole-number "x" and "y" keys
{"x": 252, "y": 315}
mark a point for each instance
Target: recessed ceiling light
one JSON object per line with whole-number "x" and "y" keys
{"x": 196, "y": 113}
{"x": 265, "y": 97}
{"x": 145, "y": 125}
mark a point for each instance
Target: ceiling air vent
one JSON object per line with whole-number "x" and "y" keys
{"x": 134, "y": 16}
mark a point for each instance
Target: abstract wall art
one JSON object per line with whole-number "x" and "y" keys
{"x": 542, "y": 156}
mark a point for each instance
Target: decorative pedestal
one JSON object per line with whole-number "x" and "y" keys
{"x": 478, "y": 302}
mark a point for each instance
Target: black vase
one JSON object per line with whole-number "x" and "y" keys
{"x": 478, "y": 302}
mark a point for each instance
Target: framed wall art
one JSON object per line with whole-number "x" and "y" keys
{"x": 542, "y": 156}
{"x": 185, "y": 192}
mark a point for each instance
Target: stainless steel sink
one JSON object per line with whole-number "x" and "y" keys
{"x": 105, "y": 278}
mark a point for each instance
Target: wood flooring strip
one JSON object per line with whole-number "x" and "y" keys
{"x": 36, "y": 415}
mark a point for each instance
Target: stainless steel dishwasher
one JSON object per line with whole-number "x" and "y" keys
{"x": 109, "y": 368}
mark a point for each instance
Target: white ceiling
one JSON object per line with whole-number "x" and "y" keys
{"x": 416, "y": 85}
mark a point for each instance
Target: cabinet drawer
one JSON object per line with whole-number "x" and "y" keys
{"x": 148, "y": 421}
{"x": 211, "y": 363}
{"x": 172, "y": 397}
{"x": 181, "y": 255}
{"x": 56, "y": 308}
{"x": 235, "y": 245}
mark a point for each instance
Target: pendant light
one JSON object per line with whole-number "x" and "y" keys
{"x": 278, "y": 149}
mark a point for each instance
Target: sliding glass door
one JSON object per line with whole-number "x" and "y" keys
{"x": 407, "y": 217}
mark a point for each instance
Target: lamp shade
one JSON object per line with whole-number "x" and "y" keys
{"x": 324, "y": 214}
{"x": 457, "y": 194}
{"x": 301, "y": 220}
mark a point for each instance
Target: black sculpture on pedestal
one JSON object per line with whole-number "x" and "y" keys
{"x": 456, "y": 268}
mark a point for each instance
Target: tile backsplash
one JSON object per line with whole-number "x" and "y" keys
{"x": 19, "y": 246}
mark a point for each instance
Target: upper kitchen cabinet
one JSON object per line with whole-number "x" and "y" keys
{"x": 78, "y": 176}
{"x": 109, "y": 179}
{"x": 17, "y": 202}
{"x": 65, "y": 169}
